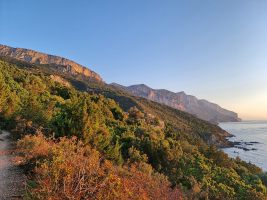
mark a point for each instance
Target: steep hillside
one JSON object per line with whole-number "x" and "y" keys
{"x": 81, "y": 144}
{"x": 60, "y": 64}
{"x": 203, "y": 109}
{"x": 189, "y": 126}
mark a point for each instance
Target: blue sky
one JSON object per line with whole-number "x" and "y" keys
{"x": 213, "y": 49}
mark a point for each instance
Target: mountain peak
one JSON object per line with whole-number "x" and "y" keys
{"x": 181, "y": 93}
{"x": 63, "y": 64}
{"x": 141, "y": 86}
{"x": 201, "y": 108}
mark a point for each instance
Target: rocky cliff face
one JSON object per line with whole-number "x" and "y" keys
{"x": 201, "y": 108}
{"x": 63, "y": 64}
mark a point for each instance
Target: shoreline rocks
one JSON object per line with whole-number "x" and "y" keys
{"x": 241, "y": 144}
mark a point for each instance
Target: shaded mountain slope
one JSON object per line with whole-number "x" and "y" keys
{"x": 201, "y": 108}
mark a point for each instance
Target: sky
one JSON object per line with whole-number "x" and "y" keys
{"x": 212, "y": 49}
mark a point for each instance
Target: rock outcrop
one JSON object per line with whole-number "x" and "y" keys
{"x": 203, "y": 109}
{"x": 62, "y": 64}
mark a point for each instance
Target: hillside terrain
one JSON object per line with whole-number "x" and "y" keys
{"x": 203, "y": 109}
{"x": 200, "y": 108}
{"x": 83, "y": 139}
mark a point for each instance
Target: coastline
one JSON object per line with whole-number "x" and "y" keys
{"x": 248, "y": 141}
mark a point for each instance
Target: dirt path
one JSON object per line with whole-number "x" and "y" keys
{"x": 11, "y": 177}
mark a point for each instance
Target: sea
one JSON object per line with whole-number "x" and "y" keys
{"x": 251, "y": 141}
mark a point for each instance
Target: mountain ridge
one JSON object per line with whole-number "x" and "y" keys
{"x": 201, "y": 108}
{"x": 35, "y": 57}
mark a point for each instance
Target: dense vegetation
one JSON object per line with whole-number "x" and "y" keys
{"x": 77, "y": 145}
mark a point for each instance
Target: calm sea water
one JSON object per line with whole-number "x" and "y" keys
{"x": 252, "y": 136}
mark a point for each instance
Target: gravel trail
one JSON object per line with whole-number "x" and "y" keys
{"x": 11, "y": 177}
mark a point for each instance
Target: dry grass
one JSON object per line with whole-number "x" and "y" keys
{"x": 70, "y": 170}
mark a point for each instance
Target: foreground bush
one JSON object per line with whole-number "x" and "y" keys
{"x": 68, "y": 169}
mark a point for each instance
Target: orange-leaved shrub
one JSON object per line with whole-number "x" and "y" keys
{"x": 69, "y": 169}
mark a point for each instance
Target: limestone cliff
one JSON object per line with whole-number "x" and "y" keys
{"x": 203, "y": 109}
{"x": 35, "y": 57}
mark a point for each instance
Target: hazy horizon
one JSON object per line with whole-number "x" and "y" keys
{"x": 212, "y": 50}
